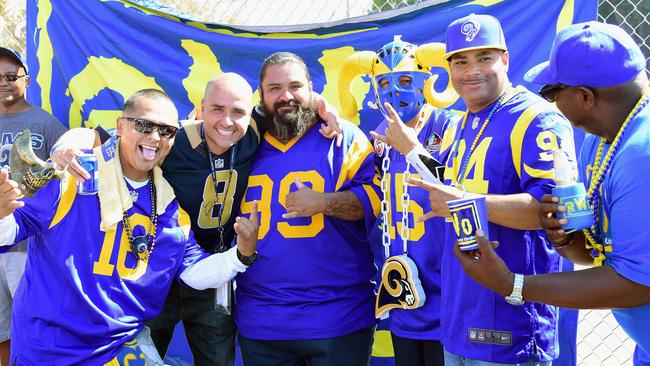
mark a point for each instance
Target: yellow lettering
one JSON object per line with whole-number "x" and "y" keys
{"x": 547, "y": 142}
{"x": 417, "y": 228}
{"x": 209, "y": 213}
{"x": 317, "y": 221}
{"x": 454, "y": 220}
{"x": 263, "y": 203}
{"x": 466, "y": 224}
{"x": 103, "y": 265}
{"x": 477, "y": 183}
{"x": 570, "y": 207}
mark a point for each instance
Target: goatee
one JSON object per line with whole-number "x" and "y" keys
{"x": 284, "y": 126}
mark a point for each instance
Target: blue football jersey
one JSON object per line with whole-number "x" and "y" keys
{"x": 312, "y": 278}
{"x": 84, "y": 293}
{"x": 514, "y": 155}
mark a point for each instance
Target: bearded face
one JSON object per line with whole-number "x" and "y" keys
{"x": 290, "y": 119}
{"x": 286, "y": 96}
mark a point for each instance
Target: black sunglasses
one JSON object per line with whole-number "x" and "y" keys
{"x": 11, "y": 78}
{"x": 549, "y": 92}
{"x": 143, "y": 125}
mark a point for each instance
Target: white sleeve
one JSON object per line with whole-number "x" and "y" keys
{"x": 431, "y": 173}
{"x": 8, "y": 230}
{"x": 213, "y": 271}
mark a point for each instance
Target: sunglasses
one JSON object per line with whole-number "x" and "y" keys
{"x": 11, "y": 78}
{"x": 146, "y": 126}
{"x": 549, "y": 92}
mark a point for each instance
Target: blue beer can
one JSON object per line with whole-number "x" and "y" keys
{"x": 91, "y": 185}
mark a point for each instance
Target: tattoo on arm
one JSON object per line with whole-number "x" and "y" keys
{"x": 343, "y": 205}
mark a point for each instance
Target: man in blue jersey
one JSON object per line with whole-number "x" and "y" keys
{"x": 308, "y": 299}
{"x": 501, "y": 150}
{"x": 596, "y": 75}
{"x": 399, "y": 72}
{"x": 86, "y": 293}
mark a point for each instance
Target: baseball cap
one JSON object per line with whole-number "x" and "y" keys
{"x": 590, "y": 54}
{"x": 474, "y": 32}
{"x": 15, "y": 55}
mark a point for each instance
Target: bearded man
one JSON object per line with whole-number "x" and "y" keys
{"x": 309, "y": 298}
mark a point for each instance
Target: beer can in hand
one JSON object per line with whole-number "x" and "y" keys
{"x": 91, "y": 185}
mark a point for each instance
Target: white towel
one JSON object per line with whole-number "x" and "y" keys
{"x": 114, "y": 197}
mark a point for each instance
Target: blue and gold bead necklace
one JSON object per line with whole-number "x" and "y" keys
{"x": 599, "y": 170}
{"x": 463, "y": 166}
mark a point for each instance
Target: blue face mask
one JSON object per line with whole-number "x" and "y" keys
{"x": 403, "y": 90}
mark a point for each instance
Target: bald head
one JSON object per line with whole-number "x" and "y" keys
{"x": 230, "y": 80}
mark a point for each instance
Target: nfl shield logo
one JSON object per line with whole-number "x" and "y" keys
{"x": 432, "y": 144}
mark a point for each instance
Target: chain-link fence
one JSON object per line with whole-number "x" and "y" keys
{"x": 600, "y": 340}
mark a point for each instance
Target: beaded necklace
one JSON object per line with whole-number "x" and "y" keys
{"x": 599, "y": 170}
{"x": 140, "y": 244}
{"x": 463, "y": 166}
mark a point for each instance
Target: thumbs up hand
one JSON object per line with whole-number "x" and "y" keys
{"x": 9, "y": 193}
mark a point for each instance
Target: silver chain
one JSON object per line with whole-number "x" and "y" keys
{"x": 385, "y": 203}
{"x": 406, "y": 198}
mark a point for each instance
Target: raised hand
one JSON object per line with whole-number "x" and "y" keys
{"x": 9, "y": 193}
{"x": 247, "y": 230}
{"x": 65, "y": 158}
{"x": 398, "y": 135}
{"x": 328, "y": 113}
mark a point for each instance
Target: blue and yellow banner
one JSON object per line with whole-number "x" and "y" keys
{"x": 86, "y": 57}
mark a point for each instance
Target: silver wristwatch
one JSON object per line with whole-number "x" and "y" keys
{"x": 516, "y": 297}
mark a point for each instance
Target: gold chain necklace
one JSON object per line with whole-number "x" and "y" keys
{"x": 463, "y": 166}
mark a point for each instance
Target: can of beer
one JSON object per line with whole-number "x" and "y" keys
{"x": 91, "y": 185}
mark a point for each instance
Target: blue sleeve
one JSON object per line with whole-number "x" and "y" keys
{"x": 39, "y": 210}
{"x": 359, "y": 175}
{"x": 548, "y": 131}
{"x": 630, "y": 230}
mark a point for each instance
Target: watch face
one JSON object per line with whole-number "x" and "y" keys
{"x": 515, "y": 300}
